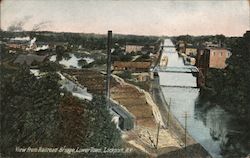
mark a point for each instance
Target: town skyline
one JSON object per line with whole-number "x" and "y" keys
{"x": 155, "y": 18}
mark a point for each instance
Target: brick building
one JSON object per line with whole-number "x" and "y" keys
{"x": 212, "y": 58}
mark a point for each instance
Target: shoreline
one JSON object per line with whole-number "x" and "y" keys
{"x": 193, "y": 148}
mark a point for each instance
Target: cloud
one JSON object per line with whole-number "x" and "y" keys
{"x": 18, "y": 25}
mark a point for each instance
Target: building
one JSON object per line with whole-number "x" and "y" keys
{"x": 22, "y": 46}
{"x": 126, "y": 121}
{"x": 29, "y": 59}
{"x": 133, "y": 48}
{"x": 139, "y": 70}
{"x": 54, "y": 45}
{"x": 212, "y": 58}
{"x": 132, "y": 66}
{"x": 190, "y": 51}
{"x": 181, "y": 45}
{"x": 217, "y": 57}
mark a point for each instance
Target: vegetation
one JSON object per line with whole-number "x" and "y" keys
{"x": 36, "y": 112}
{"x": 126, "y": 74}
{"x": 232, "y": 85}
{"x": 230, "y": 88}
{"x": 28, "y": 110}
{"x": 49, "y": 66}
{"x": 198, "y": 40}
{"x": 88, "y": 41}
{"x": 85, "y": 124}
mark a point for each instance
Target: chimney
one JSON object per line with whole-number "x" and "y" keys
{"x": 109, "y": 42}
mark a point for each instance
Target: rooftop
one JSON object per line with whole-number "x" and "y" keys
{"x": 29, "y": 59}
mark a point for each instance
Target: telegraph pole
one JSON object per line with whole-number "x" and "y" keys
{"x": 169, "y": 109}
{"x": 185, "y": 130}
{"x": 185, "y": 141}
{"x": 109, "y": 43}
{"x": 157, "y": 136}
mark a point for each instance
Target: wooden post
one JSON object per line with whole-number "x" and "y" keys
{"x": 169, "y": 111}
{"x": 185, "y": 130}
{"x": 157, "y": 136}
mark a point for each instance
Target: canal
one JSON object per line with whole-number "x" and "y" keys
{"x": 210, "y": 126}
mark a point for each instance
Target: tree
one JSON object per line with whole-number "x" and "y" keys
{"x": 34, "y": 113}
{"x": 86, "y": 124}
{"x": 28, "y": 110}
{"x": 59, "y": 52}
{"x": 49, "y": 67}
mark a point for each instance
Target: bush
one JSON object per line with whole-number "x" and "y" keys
{"x": 125, "y": 74}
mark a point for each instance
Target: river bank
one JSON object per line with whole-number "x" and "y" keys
{"x": 193, "y": 149}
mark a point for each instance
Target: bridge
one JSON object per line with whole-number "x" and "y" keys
{"x": 172, "y": 70}
{"x": 186, "y": 69}
{"x": 168, "y": 46}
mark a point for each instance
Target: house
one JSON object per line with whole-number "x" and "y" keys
{"x": 140, "y": 70}
{"x": 22, "y": 46}
{"x": 53, "y": 45}
{"x": 217, "y": 57}
{"x": 29, "y": 59}
{"x": 141, "y": 77}
{"x": 132, "y": 66}
{"x": 133, "y": 48}
{"x": 190, "y": 51}
{"x": 212, "y": 58}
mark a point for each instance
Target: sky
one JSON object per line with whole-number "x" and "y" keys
{"x": 141, "y": 17}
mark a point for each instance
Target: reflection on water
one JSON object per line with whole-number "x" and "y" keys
{"x": 184, "y": 100}
{"x": 211, "y": 126}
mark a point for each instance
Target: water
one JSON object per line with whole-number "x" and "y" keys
{"x": 72, "y": 62}
{"x": 209, "y": 126}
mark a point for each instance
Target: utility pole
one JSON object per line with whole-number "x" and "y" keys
{"x": 185, "y": 130}
{"x": 169, "y": 111}
{"x": 109, "y": 43}
{"x": 185, "y": 141}
{"x": 157, "y": 136}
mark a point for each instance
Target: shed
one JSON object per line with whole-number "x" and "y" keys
{"x": 126, "y": 120}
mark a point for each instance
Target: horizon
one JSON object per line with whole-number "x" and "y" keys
{"x": 142, "y": 18}
{"x": 122, "y": 34}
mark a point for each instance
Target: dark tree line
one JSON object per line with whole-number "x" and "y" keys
{"x": 199, "y": 40}
{"x": 88, "y": 41}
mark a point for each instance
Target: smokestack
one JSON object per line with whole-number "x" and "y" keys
{"x": 109, "y": 42}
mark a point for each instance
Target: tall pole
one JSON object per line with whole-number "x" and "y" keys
{"x": 109, "y": 42}
{"x": 169, "y": 111}
{"x": 185, "y": 130}
{"x": 157, "y": 136}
